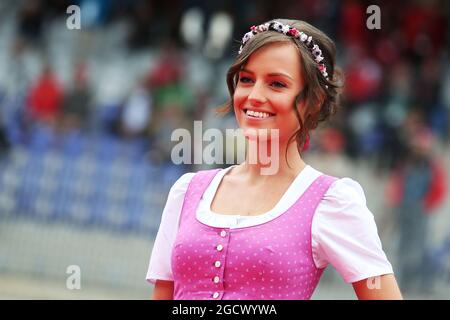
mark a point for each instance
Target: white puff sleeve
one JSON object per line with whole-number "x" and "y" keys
{"x": 344, "y": 234}
{"x": 160, "y": 259}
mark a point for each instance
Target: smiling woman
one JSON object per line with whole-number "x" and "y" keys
{"x": 261, "y": 90}
{"x": 238, "y": 233}
{"x": 301, "y": 65}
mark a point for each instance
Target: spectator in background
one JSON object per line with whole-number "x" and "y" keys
{"x": 76, "y": 107}
{"x": 4, "y": 142}
{"x": 141, "y": 18}
{"x": 173, "y": 100}
{"x": 137, "y": 112}
{"x": 30, "y": 22}
{"x": 423, "y": 27}
{"x": 352, "y": 27}
{"x": 45, "y": 98}
{"x": 169, "y": 66}
{"x": 414, "y": 189}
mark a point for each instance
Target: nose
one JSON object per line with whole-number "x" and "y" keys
{"x": 256, "y": 96}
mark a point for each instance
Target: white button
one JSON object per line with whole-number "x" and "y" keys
{"x": 217, "y": 264}
{"x": 219, "y": 247}
{"x": 215, "y": 295}
{"x": 216, "y": 279}
{"x": 223, "y": 233}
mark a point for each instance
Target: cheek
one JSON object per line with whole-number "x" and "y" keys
{"x": 292, "y": 123}
{"x": 286, "y": 121}
{"x": 290, "y": 104}
{"x": 238, "y": 98}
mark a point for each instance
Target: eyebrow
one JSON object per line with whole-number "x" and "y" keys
{"x": 271, "y": 74}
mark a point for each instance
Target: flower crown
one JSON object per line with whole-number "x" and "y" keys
{"x": 293, "y": 32}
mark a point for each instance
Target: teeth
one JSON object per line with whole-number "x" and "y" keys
{"x": 257, "y": 114}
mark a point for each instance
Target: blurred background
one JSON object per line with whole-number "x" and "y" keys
{"x": 86, "y": 117}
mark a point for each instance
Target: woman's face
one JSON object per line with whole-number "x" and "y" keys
{"x": 268, "y": 84}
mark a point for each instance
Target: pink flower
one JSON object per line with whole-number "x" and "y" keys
{"x": 294, "y": 32}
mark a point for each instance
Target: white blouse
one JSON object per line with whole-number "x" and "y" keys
{"x": 344, "y": 233}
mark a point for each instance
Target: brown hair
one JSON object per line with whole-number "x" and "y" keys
{"x": 321, "y": 102}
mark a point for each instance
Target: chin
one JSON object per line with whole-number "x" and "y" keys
{"x": 258, "y": 134}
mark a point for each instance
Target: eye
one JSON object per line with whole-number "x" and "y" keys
{"x": 278, "y": 84}
{"x": 245, "y": 79}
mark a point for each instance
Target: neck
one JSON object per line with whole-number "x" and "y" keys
{"x": 273, "y": 162}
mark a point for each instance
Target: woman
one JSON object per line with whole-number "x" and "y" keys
{"x": 237, "y": 233}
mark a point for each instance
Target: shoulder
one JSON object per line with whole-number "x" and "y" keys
{"x": 343, "y": 208}
{"x": 182, "y": 183}
{"x": 345, "y": 190}
{"x": 344, "y": 203}
{"x": 341, "y": 189}
{"x": 180, "y": 186}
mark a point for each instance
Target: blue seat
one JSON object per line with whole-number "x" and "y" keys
{"x": 135, "y": 149}
{"x": 41, "y": 138}
{"x": 74, "y": 143}
{"x": 106, "y": 148}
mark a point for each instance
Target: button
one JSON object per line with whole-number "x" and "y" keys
{"x": 217, "y": 264}
{"x": 219, "y": 247}
{"x": 216, "y": 279}
{"x": 215, "y": 295}
{"x": 223, "y": 233}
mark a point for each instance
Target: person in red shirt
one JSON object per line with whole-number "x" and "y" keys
{"x": 45, "y": 97}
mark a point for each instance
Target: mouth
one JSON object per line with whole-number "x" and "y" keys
{"x": 257, "y": 115}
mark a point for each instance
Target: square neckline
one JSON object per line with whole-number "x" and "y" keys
{"x": 217, "y": 180}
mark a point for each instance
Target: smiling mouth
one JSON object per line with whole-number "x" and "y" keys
{"x": 258, "y": 114}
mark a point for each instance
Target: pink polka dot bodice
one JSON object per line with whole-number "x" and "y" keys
{"x": 272, "y": 260}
